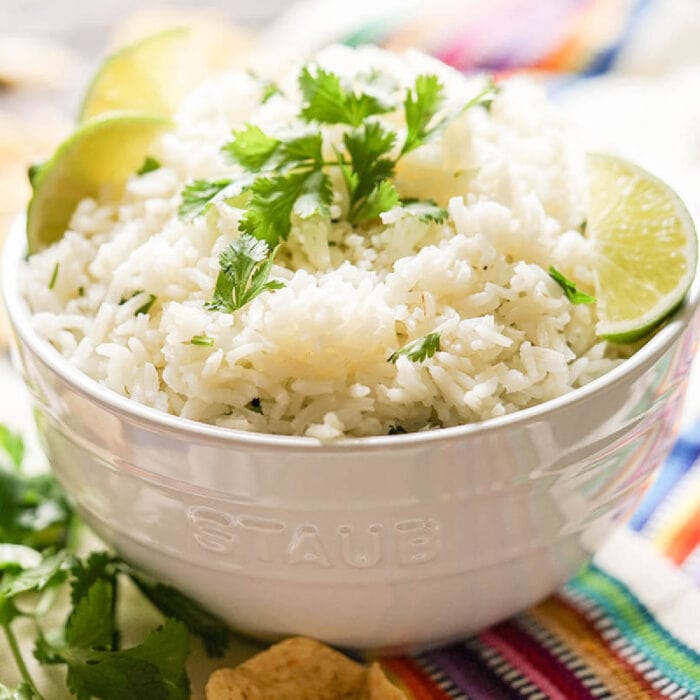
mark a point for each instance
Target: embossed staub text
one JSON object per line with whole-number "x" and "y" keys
{"x": 247, "y": 539}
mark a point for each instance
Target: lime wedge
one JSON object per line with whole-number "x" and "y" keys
{"x": 646, "y": 248}
{"x": 152, "y": 76}
{"x": 101, "y": 154}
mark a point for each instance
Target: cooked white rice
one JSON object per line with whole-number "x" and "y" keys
{"x": 315, "y": 352}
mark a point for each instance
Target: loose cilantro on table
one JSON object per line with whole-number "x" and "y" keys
{"x": 36, "y": 562}
{"x": 244, "y": 270}
{"x": 286, "y": 175}
{"x": 418, "y": 350}
{"x": 573, "y": 294}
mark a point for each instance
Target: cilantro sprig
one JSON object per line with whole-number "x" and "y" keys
{"x": 37, "y": 561}
{"x": 244, "y": 268}
{"x": 286, "y": 176}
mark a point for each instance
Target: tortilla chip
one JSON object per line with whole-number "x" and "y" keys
{"x": 301, "y": 669}
{"x": 379, "y": 687}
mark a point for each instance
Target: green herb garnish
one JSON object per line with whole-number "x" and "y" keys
{"x": 54, "y": 275}
{"x": 573, "y": 294}
{"x": 418, "y": 350}
{"x": 328, "y": 102}
{"x": 425, "y": 210}
{"x": 204, "y": 340}
{"x": 198, "y": 196}
{"x": 244, "y": 268}
{"x": 146, "y": 307}
{"x": 148, "y": 166}
{"x": 287, "y": 176}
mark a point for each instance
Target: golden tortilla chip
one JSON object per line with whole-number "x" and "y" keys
{"x": 301, "y": 669}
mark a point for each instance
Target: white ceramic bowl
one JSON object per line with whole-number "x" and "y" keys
{"x": 388, "y": 542}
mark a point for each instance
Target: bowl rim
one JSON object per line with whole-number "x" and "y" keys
{"x": 14, "y": 253}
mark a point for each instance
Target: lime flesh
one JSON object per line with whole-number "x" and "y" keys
{"x": 100, "y": 155}
{"x": 645, "y": 245}
{"x": 152, "y": 75}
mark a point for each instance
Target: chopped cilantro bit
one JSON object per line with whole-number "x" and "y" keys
{"x": 199, "y": 195}
{"x": 583, "y": 226}
{"x": 145, "y": 308}
{"x": 270, "y": 89}
{"x": 204, "y": 340}
{"x": 419, "y": 349}
{"x": 81, "y": 291}
{"x": 328, "y": 102}
{"x": 54, "y": 275}
{"x": 574, "y": 295}
{"x": 123, "y": 300}
{"x": 396, "y": 430}
{"x": 426, "y": 210}
{"x": 255, "y": 406}
{"x": 244, "y": 270}
{"x": 148, "y": 166}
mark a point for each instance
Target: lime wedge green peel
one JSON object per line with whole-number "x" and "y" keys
{"x": 101, "y": 154}
{"x": 646, "y": 248}
{"x": 152, "y": 75}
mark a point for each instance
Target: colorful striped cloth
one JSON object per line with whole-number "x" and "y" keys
{"x": 628, "y": 626}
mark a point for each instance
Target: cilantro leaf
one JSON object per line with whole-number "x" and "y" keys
{"x": 91, "y": 623}
{"x": 154, "y": 669}
{"x": 273, "y": 201}
{"x": 199, "y": 195}
{"x": 244, "y": 268}
{"x": 419, "y": 349}
{"x": 328, "y": 102}
{"x": 573, "y": 294}
{"x": 13, "y": 444}
{"x": 52, "y": 570}
{"x": 426, "y": 210}
{"x": 148, "y": 166}
{"x": 382, "y": 198}
{"x": 368, "y": 147}
{"x": 172, "y": 603}
{"x": 422, "y": 103}
{"x": 250, "y": 147}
